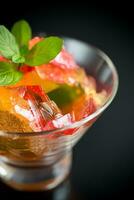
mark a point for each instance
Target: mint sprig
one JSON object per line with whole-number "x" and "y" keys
{"x": 9, "y": 75}
{"x": 14, "y": 47}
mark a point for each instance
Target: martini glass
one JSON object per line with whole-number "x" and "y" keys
{"x": 41, "y": 161}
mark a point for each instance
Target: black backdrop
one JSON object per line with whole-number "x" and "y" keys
{"x": 103, "y": 164}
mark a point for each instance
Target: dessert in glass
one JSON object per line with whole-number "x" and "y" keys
{"x": 52, "y": 90}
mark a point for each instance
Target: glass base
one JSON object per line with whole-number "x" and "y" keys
{"x": 36, "y": 177}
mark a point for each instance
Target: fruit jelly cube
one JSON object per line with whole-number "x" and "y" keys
{"x": 60, "y": 122}
{"x": 41, "y": 108}
{"x": 56, "y": 74}
{"x": 64, "y": 60}
{"x": 81, "y": 107}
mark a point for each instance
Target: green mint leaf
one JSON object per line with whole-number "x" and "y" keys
{"x": 18, "y": 59}
{"x": 24, "y": 50}
{"x": 8, "y": 44}
{"x": 8, "y": 74}
{"x": 44, "y": 51}
{"x": 22, "y": 32}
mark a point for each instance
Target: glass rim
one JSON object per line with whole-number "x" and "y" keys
{"x": 88, "y": 118}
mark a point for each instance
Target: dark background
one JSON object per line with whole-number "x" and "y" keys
{"x": 103, "y": 164}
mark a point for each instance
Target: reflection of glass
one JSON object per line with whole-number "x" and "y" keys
{"x": 37, "y": 161}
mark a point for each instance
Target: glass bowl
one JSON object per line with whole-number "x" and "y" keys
{"x": 41, "y": 161}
